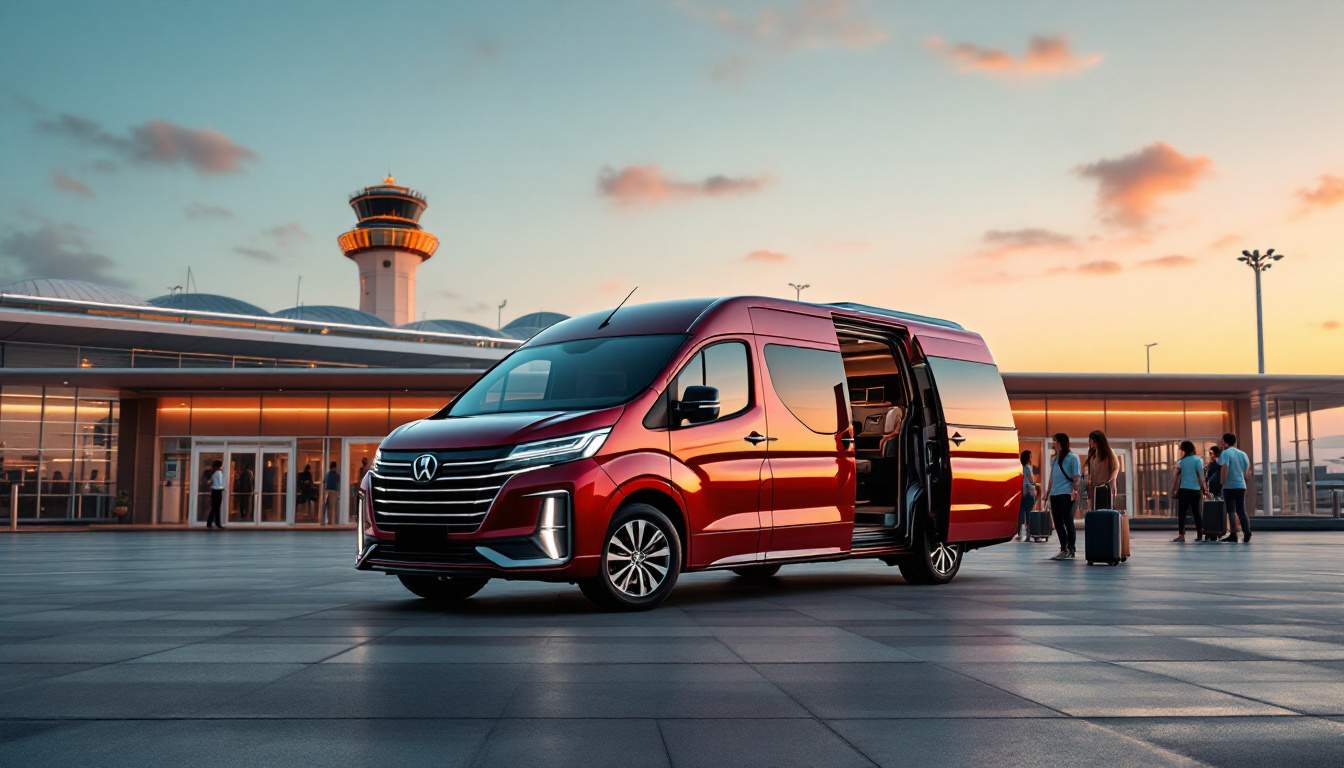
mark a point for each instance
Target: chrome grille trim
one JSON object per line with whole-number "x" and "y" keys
{"x": 458, "y": 498}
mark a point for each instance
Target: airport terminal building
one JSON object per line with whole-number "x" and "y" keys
{"x": 105, "y": 395}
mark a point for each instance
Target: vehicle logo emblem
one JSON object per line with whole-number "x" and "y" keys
{"x": 425, "y": 466}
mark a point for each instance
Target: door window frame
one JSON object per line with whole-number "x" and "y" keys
{"x": 671, "y": 393}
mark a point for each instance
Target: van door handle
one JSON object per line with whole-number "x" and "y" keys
{"x": 957, "y": 439}
{"x": 847, "y": 441}
{"x": 756, "y": 438}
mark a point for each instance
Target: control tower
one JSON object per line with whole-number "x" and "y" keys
{"x": 388, "y": 245}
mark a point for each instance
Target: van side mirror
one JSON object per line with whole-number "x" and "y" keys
{"x": 697, "y": 405}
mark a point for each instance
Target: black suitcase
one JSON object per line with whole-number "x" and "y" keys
{"x": 1038, "y": 525}
{"x": 1101, "y": 533}
{"x": 1213, "y": 518}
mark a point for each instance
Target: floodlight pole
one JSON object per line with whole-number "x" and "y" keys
{"x": 798, "y": 289}
{"x": 1148, "y": 353}
{"x": 1260, "y": 263}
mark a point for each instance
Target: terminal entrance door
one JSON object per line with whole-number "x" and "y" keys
{"x": 258, "y": 482}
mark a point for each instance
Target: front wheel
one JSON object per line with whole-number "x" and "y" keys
{"x": 933, "y": 561}
{"x": 641, "y": 559}
{"x": 448, "y": 590}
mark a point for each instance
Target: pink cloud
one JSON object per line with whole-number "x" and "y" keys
{"x": 764, "y": 256}
{"x": 647, "y": 184}
{"x": 1046, "y": 56}
{"x": 1330, "y": 325}
{"x": 1171, "y": 261}
{"x": 1226, "y": 241}
{"x": 1130, "y": 187}
{"x": 1329, "y": 191}
{"x": 70, "y": 184}
{"x": 1099, "y": 267}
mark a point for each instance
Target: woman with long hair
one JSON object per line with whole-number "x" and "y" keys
{"x": 1065, "y": 476}
{"x": 1102, "y": 469}
{"x": 1028, "y": 496}
{"x": 1188, "y": 487}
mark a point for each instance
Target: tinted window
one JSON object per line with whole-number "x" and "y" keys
{"x": 811, "y": 382}
{"x": 723, "y": 366}
{"x": 571, "y": 375}
{"x": 971, "y": 393}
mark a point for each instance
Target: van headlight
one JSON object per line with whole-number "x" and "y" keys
{"x": 557, "y": 450}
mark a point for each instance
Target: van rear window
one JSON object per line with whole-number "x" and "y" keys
{"x": 972, "y": 394}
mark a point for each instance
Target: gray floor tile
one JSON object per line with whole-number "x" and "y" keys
{"x": 1023, "y": 742}
{"x": 1299, "y": 742}
{"x": 588, "y": 743}
{"x": 744, "y": 743}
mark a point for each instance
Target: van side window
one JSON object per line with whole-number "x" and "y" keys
{"x": 811, "y": 383}
{"x": 972, "y": 394}
{"x": 724, "y": 366}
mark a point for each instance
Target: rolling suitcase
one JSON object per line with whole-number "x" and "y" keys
{"x": 1102, "y": 536}
{"x": 1039, "y": 525}
{"x": 1124, "y": 537}
{"x": 1213, "y": 519}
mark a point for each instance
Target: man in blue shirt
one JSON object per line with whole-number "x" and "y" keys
{"x": 1236, "y": 468}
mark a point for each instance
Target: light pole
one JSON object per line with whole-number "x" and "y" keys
{"x": 1148, "y": 353}
{"x": 1262, "y": 263}
{"x": 798, "y": 289}
{"x": 499, "y": 314}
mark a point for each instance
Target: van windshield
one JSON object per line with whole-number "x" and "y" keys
{"x": 579, "y": 375}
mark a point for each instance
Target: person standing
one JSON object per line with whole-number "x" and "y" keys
{"x": 1236, "y": 468}
{"x": 1102, "y": 469}
{"x": 1029, "y": 492}
{"x": 1066, "y": 476}
{"x": 1213, "y": 473}
{"x": 331, "y": 495}
{"x": 216, "y": 495}
{"x": 1188, "y": 488}
{"x": 307, "y": 493}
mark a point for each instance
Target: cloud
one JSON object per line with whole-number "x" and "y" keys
{"x": 1329, "y": 191}
{"x": 764, "y": 256}
{"x": 1129, "y": 187}
{"x": 1226, "y": 241}
{"x": 157, "y": 142}
{"x": 1046, "y": 56}
{"x": 647, "y": 184}
{"x": 199, "y": 211}
{"x": 1171, "y": 261}
{"x": 259, "y": 254}
{"x": 805, "y": 25}
{"x": 70, "y": 184}
{"x": 59, "y": 251}
{"x": 287, "y": 235}
{"x": 1000, "y": 243}
{"x": 1330, "y": 325}
{"x": 1096, "y": 267}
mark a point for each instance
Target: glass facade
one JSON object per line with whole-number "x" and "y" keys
{"x": 276, "y": 452}
{"x": 58, "y": 448}
{"x": 1145, "y": 435}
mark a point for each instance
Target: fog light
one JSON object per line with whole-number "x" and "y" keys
{"x": 359, "y": 524}
{"x": 552, "y": 528}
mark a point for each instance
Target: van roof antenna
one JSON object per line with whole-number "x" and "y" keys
{"x": 607, "y": 322}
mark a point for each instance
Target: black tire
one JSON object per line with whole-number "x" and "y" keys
{"x": 641, "y": 560}
{"x": 933, "y": 561}
{"x": 757, "y": 572}
{"x": 448, "y": 590}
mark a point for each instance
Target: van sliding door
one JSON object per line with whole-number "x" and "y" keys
{"x": 978, "y": 437}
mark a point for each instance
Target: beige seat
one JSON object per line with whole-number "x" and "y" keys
{"x": 890, "y": 429}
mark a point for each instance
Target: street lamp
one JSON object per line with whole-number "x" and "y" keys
{"x": 1262, "y": 263}
{"x": 1148, "y": 353}
{"x": 798, "y": 289}
{"x": 499, "y": 314}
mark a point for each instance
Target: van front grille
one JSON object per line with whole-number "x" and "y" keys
{"x": 457, "y": 496}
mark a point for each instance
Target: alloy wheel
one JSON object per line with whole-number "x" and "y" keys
{"x": 638, "y": 558}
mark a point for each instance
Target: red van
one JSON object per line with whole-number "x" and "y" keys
{"x": 618, "y": 449}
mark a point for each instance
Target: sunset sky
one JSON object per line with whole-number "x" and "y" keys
{"x": 1073, "y": 180}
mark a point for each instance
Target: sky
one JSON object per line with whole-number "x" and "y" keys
{"x": 1073, "y": 180}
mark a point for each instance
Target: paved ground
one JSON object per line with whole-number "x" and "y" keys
{"x": 267, "y": 648}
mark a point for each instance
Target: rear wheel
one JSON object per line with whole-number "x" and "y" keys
{"x": 933, "y": 561}
{"x": 757, "y": 572}
{"x": 442, "y": 589}
{"x": 641, "y": 559}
